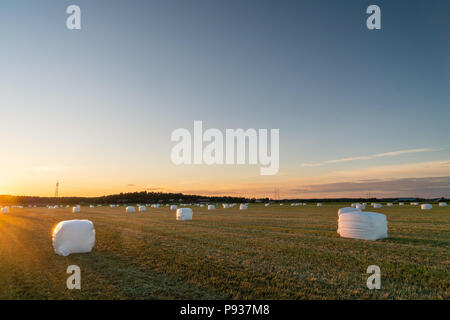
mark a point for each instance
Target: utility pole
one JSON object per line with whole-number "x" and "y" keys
{"x": 57, "y": 189}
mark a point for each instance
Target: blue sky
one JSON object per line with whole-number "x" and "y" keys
{"x": 96, "y": 107}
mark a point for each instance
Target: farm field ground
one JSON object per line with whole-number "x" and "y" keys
{"x": 276, "y": 252}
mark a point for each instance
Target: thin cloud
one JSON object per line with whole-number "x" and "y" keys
{"x": 51, "y": 168}
{"x": 429, "y": 186}
{"x": 373, "y": 156}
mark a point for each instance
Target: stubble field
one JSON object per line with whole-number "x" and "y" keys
{"x": 276, "y": 252}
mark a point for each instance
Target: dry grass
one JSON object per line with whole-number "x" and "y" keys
{"x": 262, "y": 253}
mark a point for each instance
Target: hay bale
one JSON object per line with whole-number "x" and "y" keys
{"x": 76, "y": 209}
{"x": 243, "y": 206}
{"x": 173, "y": 207}
{"x": 319, "y": 204}
{"x": 401, "y": 203}
{"x": 211, "y": 207}
{"x": 73, "y": 236}
{"x": 360, "y": 206}
{"x": 267, "y": 204}
{"x": 442, "y": 204}
{"x": 389, "y": 204}
{"x": 5, "y": 210}
{"x": 362, "y": 225}
{"x": 184, "y": 214}
{"x": 225, "y": 205}
{"x": 142, "y": 208}
{"x": 130, "y": 209}
{"x": 377, "y": 205}
{"x": 426, "y": 206}
{"x": 347, "y": 210}
{"x": 92, "y": 206}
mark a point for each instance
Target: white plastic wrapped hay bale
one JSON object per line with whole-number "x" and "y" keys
{"x": 243, "y": 206}
{"x": 319, "y": 204}
{"x": 130, "y": 209}
{"x": 426, "y": 206}
{"x": 76, "y": 209}
{"x": 401, "y": 203}
{"x": 267, "y": 204}
{"x": 92, "y": 206}
{"x": 347, "y": 210}
{"x": 73, "y": 236}
{"x": 442, "y": 204}
{"x": 225, "y": 205}
{"x": 173, "y": 207}
{"x": 184, "y": 214}
{"x": 377, "y": 205}
{"x": 211, "y": 207}
{"x": 389, "y": 204}
{"x": 360, "y": 206}
{"x": 142, "y": 208}
{"x": 362, "y": 225}
{"x": 5, "y": 210}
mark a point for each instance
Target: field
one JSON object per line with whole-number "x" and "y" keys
{"x": 278, "y": 252}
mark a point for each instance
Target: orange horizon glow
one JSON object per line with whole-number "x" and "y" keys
{"x": 237, "y": 182}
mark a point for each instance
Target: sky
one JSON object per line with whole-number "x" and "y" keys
{"x": 360, "y": 112}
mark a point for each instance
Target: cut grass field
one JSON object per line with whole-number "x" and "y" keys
{"x": 276, "y": 252}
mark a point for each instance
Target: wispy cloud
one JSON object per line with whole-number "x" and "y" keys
{"x": 51, "y": 168}
{"x": 369, "y": 157}
{"x": 428, "y": 187}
